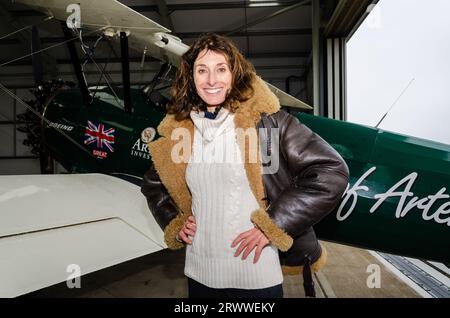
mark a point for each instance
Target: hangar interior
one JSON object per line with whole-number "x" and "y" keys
{"x": 299, "y": 46}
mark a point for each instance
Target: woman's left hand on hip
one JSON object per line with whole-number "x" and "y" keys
{"x": 248, "y": 240}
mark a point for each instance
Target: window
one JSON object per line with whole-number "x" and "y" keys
{"x": 398, "y": 62}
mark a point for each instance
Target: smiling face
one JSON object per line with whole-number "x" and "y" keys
{"x": 212, "y": 77}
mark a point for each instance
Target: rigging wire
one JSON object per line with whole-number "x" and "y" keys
{"x": 26, "y": 27}
{"x": 155, "y": 29}
{"x": 102, "y": 74}
{"x": 89, "y": 52}
{"x": 395, "y": 102}
{"x": 89, "y": 55}
{"x": 17, "y": 98}
{"x": 48, "y": 48}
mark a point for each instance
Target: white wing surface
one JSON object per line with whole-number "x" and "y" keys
{"x": 49, "y": 223}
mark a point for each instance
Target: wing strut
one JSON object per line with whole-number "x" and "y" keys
{"x": 125, "y": 72}
{"x": 82, "y": 84}
{"x": 36, "y": 58}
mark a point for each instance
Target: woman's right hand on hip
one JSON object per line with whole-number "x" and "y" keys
{"x": 187, "y": 232}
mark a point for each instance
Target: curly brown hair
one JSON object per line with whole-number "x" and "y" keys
{"x": 184, "y": 93}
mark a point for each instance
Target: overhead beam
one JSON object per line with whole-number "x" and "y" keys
{"x": 10, "y": 24}
{"x": 213, "y": 5}
{"x": 364, "y": 12}
{"x": 346, "y": 16}
{"x": 178, "y": 7}
{"x": 267, "y": 17}
{"x": 186, "y": 35}
{"x": 150, "y": 70}
{"x": 274, "y": 55}
{"x": 263, "y": 55}
{"x": 281, "y": 67}
{"x": 164, "y": 14}
{"x": 140, "y": 83}
{"x": 25, "y": 62}
{"x": 280, "y": 32}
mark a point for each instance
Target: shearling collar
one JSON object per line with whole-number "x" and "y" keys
{"x": 172, "y": 174}
{"x": 262, "y": 101}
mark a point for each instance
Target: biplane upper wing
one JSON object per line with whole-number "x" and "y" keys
{"x": 54, "y": 228}
{"x": 145, "y": 35}
{"x": 112, "y": 17}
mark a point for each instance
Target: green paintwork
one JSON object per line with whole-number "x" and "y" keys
{"x": 394, "y": 156}
{"x": 66, "y": 108}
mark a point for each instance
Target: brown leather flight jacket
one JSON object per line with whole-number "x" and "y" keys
{"x": 308, "y": 184}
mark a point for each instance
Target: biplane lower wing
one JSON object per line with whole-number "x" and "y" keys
{"x": 53, "y": 228}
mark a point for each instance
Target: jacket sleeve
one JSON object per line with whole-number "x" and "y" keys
{"x": 162, "y": 207}
{"x": 319, "y": 177}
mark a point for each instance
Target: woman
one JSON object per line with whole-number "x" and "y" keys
{"x": 207, "y": 190}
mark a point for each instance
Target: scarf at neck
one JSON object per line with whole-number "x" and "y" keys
{"x": 212, "y": 115}
{"x": 211, "y": 128}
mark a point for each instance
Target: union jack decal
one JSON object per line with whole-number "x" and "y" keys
{"x": 94, "y": 133}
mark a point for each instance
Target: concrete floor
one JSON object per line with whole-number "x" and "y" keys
{"x": 161, "y": 275}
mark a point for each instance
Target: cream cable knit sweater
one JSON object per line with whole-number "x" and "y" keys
{"x": 222, "y": 202}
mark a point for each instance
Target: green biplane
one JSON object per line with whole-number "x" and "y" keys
{"x": 396, "y": 201}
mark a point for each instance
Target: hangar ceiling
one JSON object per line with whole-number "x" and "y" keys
{"x": 275, "y": 35}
